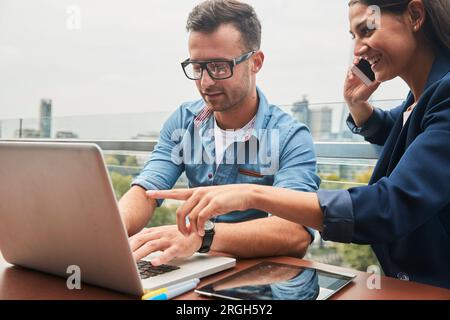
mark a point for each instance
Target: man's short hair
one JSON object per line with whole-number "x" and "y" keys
{"x": 209, "y": 15}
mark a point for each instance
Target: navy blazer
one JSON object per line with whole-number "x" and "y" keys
{"x": 404, "y": 212}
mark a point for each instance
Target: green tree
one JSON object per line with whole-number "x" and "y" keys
{"x": 121, "y": 158}
{"x": 332, "y": 177}
{"x": 359, "y": 257}
{"x": 365, "y": 176}
{"x": 164, "y": 215}
{"x": 112, "y": 160}
{"x": 130, "y": 161}
{"x": 120, "y": 183}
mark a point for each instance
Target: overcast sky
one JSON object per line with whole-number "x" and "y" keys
{"x": 126, "y": 55}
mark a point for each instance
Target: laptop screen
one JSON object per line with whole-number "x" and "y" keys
{"x": 276, "y": 281}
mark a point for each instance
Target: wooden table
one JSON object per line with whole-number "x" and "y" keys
{"x": 20, "y": 283}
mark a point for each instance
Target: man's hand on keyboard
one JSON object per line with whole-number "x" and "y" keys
{"x": 167, "y": 239}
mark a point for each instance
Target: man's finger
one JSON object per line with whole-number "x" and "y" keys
{"x": 193, "y": 216}
{"x": 183, "y": 211}
{"x": 149, "y": 247}
{"x": 142, "y": 238}
{"x": 168, "y": 255}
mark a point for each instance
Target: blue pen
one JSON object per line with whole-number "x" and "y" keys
{"x": 176, "y": 291}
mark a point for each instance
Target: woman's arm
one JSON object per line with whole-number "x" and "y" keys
{"x": 207, "y": 202}
{"x": 299, "y": 207}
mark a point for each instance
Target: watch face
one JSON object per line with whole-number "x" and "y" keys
{"x": 209, "y": 225}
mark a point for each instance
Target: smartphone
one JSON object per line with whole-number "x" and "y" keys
{"x": 363, "y": 71}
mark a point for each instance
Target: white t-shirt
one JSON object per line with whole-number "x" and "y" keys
{"x": 224, "y": 138}
{"x": 408, "y": 112}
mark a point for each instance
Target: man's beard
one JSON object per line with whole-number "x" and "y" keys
{"x": 228, "y": 101}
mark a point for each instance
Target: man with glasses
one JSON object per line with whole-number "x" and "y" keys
{"x": 215, "y": 142}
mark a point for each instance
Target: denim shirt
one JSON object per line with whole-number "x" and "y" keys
{"x": 279, "y": 152}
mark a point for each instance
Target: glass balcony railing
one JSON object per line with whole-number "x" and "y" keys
{"x": 326, "y": 122}
{"x": 127, "y": 141}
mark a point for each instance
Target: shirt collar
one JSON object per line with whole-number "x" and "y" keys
{"x": 204, "y": 116}
{"x": 262, "y": 115}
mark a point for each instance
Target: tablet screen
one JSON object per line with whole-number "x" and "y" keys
{"x": 275, "y": 281}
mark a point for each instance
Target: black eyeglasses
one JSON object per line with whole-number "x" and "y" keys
{"x": 218, "y": 69}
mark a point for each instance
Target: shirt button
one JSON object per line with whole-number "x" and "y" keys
{"x": 403, "y": 276}
{"x": 210, "y": 176}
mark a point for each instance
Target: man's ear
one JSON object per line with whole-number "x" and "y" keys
{"x": 258, "y": 61}
{"x": 416, "y": 14}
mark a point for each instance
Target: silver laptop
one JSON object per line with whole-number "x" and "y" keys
{"x": 58, "y": 209}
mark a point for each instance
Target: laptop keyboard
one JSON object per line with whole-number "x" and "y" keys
{"x": 147, "y": 270}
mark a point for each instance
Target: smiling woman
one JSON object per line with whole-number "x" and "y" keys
{"x": 435, "y": 28}
{"x": 412, "y": 23}
{"x": 404, "y": 212}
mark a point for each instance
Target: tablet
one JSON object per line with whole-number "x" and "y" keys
{"x": 276, "y": 281}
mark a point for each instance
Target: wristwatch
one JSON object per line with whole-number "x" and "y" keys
{"x": 208, "y": 237}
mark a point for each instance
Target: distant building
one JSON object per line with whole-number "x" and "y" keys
{"x": 320, "y": 123}
{"x": 45, "y": 118}
{"x": 318, "y": 119}
{"x": 66, "y": 135}
{"x": 301, "y": 112}
{"x": 27, "y": 133}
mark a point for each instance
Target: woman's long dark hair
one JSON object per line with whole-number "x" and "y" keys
{"x": 437, "y": 21}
